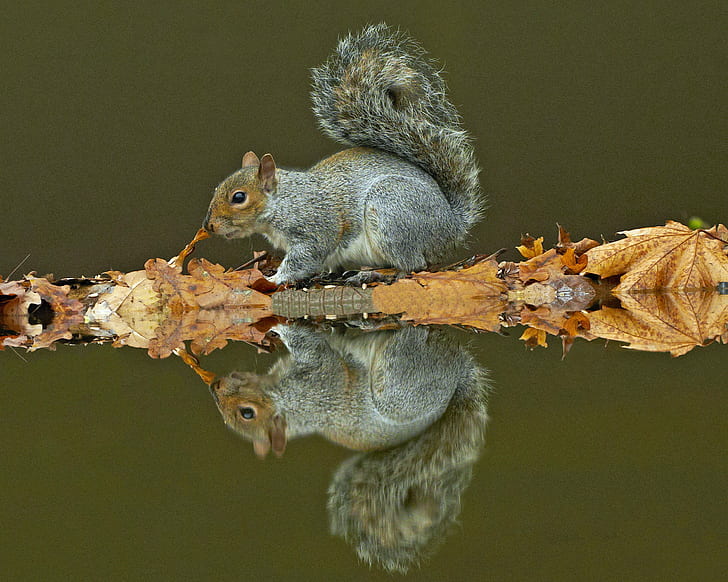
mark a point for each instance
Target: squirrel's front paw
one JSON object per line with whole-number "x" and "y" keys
{"x": 279, "y": 278}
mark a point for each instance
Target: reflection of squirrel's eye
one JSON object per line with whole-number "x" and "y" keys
{"x": 247, "y": 413}
{"x": 238, "y": 197}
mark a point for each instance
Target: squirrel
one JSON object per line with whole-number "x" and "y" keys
{"x": 364, "y": 391}
{"x": 404, "y": 196}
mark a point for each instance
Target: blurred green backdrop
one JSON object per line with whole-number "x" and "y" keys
{"x": 119, "y": 119}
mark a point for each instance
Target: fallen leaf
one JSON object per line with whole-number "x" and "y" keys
{"x": 473, "y": 297}
{"x": 207, "y": 286}
{"x": 541, "y": 267}
{"x": 664, "y": 257}
{"x": 573, "y": 263}
{"x": 580, "y": 247}
{"x": 530, "y": 247}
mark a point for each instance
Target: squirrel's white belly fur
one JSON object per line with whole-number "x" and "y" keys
{"x": 359, "y": 252}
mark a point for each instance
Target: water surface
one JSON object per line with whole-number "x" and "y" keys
{"x": 117, "y": 124}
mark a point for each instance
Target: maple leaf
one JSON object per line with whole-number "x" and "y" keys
{"x": 664, "y": 257}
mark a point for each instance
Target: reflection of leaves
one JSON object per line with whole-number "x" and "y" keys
{"x": 208, "y": 307}
{"x": 208, "y": 330}
{"x": 664, "y": 257}
{"x": 556, "y": 322}
{"x": 533, "y": 337}
{"x": 472, "y": 296}
{"x": 672, "y": 322}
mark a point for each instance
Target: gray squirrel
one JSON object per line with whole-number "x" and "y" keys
{"x": 411, "y": 399}
{"x": 404, "y": 196}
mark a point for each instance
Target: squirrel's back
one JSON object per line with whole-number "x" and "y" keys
{"x": 378, "y": 90}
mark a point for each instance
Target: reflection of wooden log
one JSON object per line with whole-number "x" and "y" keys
{"x": 330, "y": 300}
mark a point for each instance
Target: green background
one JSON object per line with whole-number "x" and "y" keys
{"x": 118, "y": 121}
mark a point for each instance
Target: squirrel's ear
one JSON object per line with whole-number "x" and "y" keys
{"x": 267, "y": 173}
{"x": 250, "y": 159}
{"x": 278, "y": 435}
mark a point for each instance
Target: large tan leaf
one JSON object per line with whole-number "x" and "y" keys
{"x": 664, "y": 257}
{"x": 473, "y": 296}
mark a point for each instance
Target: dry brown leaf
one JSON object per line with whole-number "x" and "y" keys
{"x": 17, "y": 297}
{"x": 579, "y": 247}
{"x": 576, "y": 324}
{"x": 471, "y": 297}
{"x": 179, "y": 260}
{"x": 15, "y": 300}
{"x": 542, "y": 267}
{"x": 207, "y": 286}
{"x": 229, "y": 288}
{"x": 573, "y": 263}
{"x": 664, "y": 257}
{"x": 67, "y": 313}
{"x": 530, "y": 247}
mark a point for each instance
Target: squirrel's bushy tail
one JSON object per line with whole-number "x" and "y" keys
{"x": 379, "y": 90}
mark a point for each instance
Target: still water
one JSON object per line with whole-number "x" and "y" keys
{"x": 118, "y": 122}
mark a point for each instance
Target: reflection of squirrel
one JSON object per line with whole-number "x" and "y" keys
{"x": 403, "y": 197}
{"x": 395, "y": 506}
{"x": 412, "y": 398}
{"x": 364, "y": 391}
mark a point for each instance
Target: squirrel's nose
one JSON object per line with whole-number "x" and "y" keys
{"x": 207, "y": 225}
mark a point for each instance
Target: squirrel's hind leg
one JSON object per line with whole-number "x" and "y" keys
{"x": 415, "y": 225}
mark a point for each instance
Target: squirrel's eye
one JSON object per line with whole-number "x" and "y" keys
{"x": 238, "y": 197}
{"x": 247, "y": 412}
